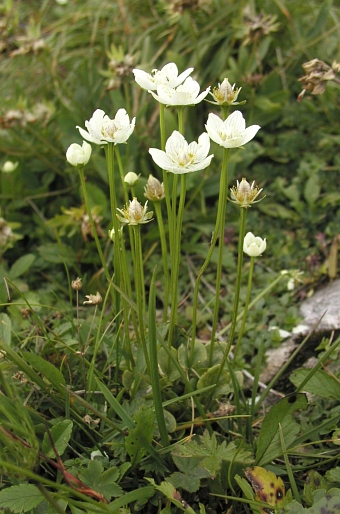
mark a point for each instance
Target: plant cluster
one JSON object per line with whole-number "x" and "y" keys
{"x": 137, "y": 306}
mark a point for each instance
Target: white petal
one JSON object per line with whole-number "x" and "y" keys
{"x": 161, "y": 158}
{"x": 143, "y": 79}
{"x": 183, "y": 76}
{"x": 250, "y": 133}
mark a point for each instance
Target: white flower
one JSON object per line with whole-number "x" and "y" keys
{"x": 167, "y": 76}
{"x": 135, "y": 213}
{"x": 232, "y": 132}
{"x": 185, "y": 94}
{"x": 254, "y": 246}
{"x": 9, "y": 166}
{"x": 131, "y": 178}
{"x": 180, "y": 157}
{"x": 102, "y": 130}
{"x": 78, "y": 155}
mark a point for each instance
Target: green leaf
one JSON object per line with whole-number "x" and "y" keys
{"x": 61, "y": 434}
{"x": 20, "y": 498}
{"x": 5, "y": 328}
{"x": 138, "y": 441}
{"x": 50, "y": 372}
{"x": 278, "y": 211}
{"x": 209, "y": 378}
{"x": 21, "y": 266}
{"x": 212, "y": 453}
{"x": 189, "y": 477}
{"x": 166, "y": 365}
{"x": 312, "y": 189}
{"x": 200, "y": 355}
{"x": 324, "y": 502}
{"x": 108, "y": 484}
{"x": 321, "y": 383}
{"x": 171, "y": 494}
{"x": 268, "y": 443}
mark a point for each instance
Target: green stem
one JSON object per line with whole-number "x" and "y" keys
{"x": 243, "y": 215}
{"x": 121, "y": 173}
{"x": 154, "y": 377}
{"x": 175, "y": 228}
{"x": 246, "y": 307}
{"x": 140, "y": 290}
{"x": 93, "y": 228}
{"x": 176, "y": 253}
{"x": 221, "y": 207}
{"x": 254, "y": 302}
{"x": 164, "y": 248}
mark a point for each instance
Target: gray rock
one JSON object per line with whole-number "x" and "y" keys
{"x": 326, "y": 303}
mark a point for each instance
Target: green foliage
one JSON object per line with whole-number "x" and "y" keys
{"x": 20, "y": 498}
{"x": 79, "y": 370}
{"x": 268, "y": 445}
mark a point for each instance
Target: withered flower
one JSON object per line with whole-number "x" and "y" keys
{"x": 318, "y": 73}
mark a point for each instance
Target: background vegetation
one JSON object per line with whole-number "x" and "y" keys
{"x": 59, "y": 62}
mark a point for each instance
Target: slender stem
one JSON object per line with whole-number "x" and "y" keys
{"x": 246, "y": 307}
{"x": 243, "y": 215}
{"x": 159, "y": 217}
{"x": 93, "y": 228}
{"x": 154, "y": 376}
{"x": 121, "y": 173}
{"x": 254, "y": 302}
{"x": 221, "y": 207}
{"x": 140, "y": 290}
{"x": 176, "y": 253}
{"x": 175, "y": 228}
{"x": 109, "y": 151}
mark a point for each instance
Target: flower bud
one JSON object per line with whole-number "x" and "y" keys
{"x": 131, "y": 178}
{"x": 244, "y": 194}
{"x": 225, "y": 93}
{"x": 154, "y": 190}
{"x": 253, "y": 246}
{"x": 78, "y": 155}
{"x": 9, "y": 166}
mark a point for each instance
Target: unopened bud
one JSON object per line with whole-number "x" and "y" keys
{"x": 154, "y": 190}
{"x": 76, "y": 284}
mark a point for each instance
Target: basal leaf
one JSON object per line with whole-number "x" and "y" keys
{"x": 268, "y": 443}
{"x": 321, "y": 383}
{"x": 5, "y": 328}
{"x": 20, "y": 498}
{"x": 50, "y": 372}
{"x": 138, "y": 441}
{"x": 21, "y": 266}
{"x": 61, "y": 434}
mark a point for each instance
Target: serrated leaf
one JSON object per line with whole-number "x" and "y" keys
{"x": 189, "y": 475}
{"x": 21, "y": 265}
{"x": 321, "y": 383}
{"x": 61, "y": 434}
{"x": 5, "y": 328}
{"x": 20, "y": 498}
{"x": 268, "y": 443}
{"x": 138, "y": 440}
{"x": 212, "y": 453}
